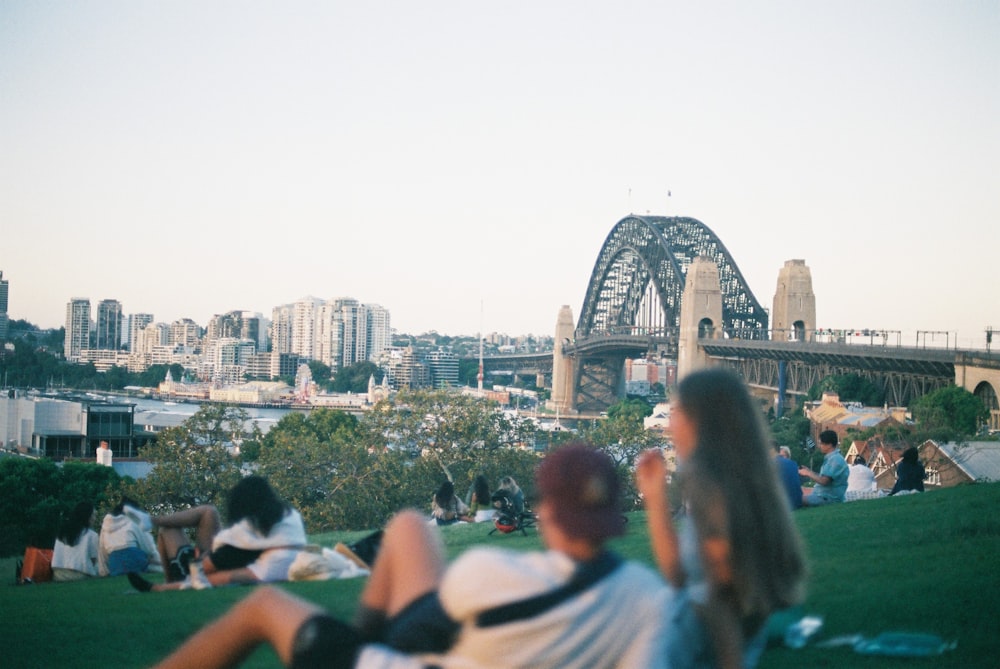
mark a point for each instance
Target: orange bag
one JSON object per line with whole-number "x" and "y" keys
{"x": 37, "y": 566}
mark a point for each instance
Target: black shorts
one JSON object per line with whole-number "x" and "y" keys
{"x": 421, "y": 627}
{"x": 322, "y": 642}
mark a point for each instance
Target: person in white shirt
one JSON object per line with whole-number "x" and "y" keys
{"x": 75, "y": 554}
{"x": 104, "y": 454}
{"x": 860, "y": 478}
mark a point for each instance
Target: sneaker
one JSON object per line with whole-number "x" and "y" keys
{"x": 197, "y": 578}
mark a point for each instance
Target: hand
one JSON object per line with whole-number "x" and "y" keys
{"x": 805, "y": 471}
{"x": 651, "y": 474}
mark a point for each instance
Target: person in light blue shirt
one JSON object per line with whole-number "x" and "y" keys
{"x": 831, "y": 481}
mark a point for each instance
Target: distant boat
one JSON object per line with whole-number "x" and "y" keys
{"x": 170, "y": 404}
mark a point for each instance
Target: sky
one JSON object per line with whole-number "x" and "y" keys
{"x": 461, "y": 163}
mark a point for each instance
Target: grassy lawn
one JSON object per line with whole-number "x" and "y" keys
{"x": 920, "y": 563}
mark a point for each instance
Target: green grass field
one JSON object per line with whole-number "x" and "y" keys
{"x": 921, "y": 563}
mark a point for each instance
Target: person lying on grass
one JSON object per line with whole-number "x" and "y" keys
{"x": 264, "y": 539}
{"x": 574, "y": 605}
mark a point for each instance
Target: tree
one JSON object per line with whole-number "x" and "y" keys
{"x": 354, "y": 378}
{"x": 197, "y": 462}
{"x": 849, "y": 388}
{"x": 447, "y": 427}
{"x": 950, "y": 412}
{"x": 319, "y": 464}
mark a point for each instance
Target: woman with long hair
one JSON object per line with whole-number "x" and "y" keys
{"x": 735, "y": 557}
{"x": 263, "y": 538}
{"x": 480, "y": 506}
{"x": 75, "y": 554}
{"x": 446, "y": 507}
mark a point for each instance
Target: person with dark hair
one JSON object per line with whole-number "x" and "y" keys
{"x": 735, "y": 557}
{"x": 264, "y": 537}
{"x": 74, "y": 556}
{"x": 910, "y": 472}
{"x": 480, "y": 505}
{"x": 562, "y": 607}
{"x": 508, "y": 487}
{"x": 831, "y": 481}
{"x": 125, "y": 543}
{"x": 446, "y": 507}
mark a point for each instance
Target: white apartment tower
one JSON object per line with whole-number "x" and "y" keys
{"x": 379, "y": 330}
{"x": 77, "y": 328}
{"x": 136, "y": 323}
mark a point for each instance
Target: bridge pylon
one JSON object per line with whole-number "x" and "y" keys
{"x": 701, "y": 314}
{"x": 563, "y": 366}
{"x": 793, "y": 317}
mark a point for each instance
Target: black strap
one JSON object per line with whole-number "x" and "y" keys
{"x": 586, "y": 575}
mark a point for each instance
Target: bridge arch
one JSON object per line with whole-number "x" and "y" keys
{"x": 638, "y": 279}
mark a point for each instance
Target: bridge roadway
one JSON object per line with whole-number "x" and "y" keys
{"x": 903, "y": 372}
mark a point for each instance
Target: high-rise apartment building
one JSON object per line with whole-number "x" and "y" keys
{"x": 136, "y": 323}
{"x": 4, "y": 321}
{"x": 77, "y": 328}
{"x": 185, "y": 332}
{"x": 379, "y": 332}
{"x": 109, "y": 325}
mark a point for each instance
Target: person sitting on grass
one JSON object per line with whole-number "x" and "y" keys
{"x": 75, "y": 554}
{"x": 259, "y": 546}
{"x": 125, "y": 543}
{"x": 447, "y": 508}
{"x": 573, "y": 605}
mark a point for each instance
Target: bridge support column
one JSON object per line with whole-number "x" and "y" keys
{"x": 701, "y": 314}
{"x": 563, "y": 367}
{"x": 793, "y": 317}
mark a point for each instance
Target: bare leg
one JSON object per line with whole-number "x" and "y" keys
{"x": 409, "y": 564}
{"x": 267, "y": 615}
{"x": 204, "y": 519}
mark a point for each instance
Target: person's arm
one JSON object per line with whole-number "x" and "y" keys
{"x": 242, "y": 576}
{"x": 651, "y": 479}
{"x": 818, "y": 478}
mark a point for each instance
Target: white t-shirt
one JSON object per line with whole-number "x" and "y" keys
{"x": 616, "y": 623}
{"x": 81, "y": 556}
{"x": 860, "y": 479}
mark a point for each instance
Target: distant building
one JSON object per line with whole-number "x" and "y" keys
{"x": 77, "y": 328}
{"x": 951, "y": 464}
{"x": 66, "y": 426}
{"x": 109, "y": 325}
{"x": 136, "y": 323}
{"x": 4, "y": 322}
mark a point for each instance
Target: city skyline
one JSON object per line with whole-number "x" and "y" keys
{"x": 461, "y": 164}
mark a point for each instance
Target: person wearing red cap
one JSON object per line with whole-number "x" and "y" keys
{"x": 575, "y": 604}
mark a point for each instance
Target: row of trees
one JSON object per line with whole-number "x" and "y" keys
{"x": 342, "y": 472}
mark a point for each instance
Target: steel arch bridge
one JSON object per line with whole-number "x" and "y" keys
{"x": 638, "y": 279}
{"x": 635, "y": 291}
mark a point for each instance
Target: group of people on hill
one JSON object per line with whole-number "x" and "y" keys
{"x": 264, "y": 537}
{"x": 729, "y": 560}
{"x": 725, "y": 562}
{"x": 447, "y": 508}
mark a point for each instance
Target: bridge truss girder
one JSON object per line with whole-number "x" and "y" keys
{"x": 598, "y": 382}
{"x": 900, "y": 388}
{"x": 639, "y": 278}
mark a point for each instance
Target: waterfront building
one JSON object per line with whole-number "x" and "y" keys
{"x": 68, "y": 426}
{"x": 77, "y": 328}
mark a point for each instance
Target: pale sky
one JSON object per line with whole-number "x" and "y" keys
{"x": 462, "y": 162}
